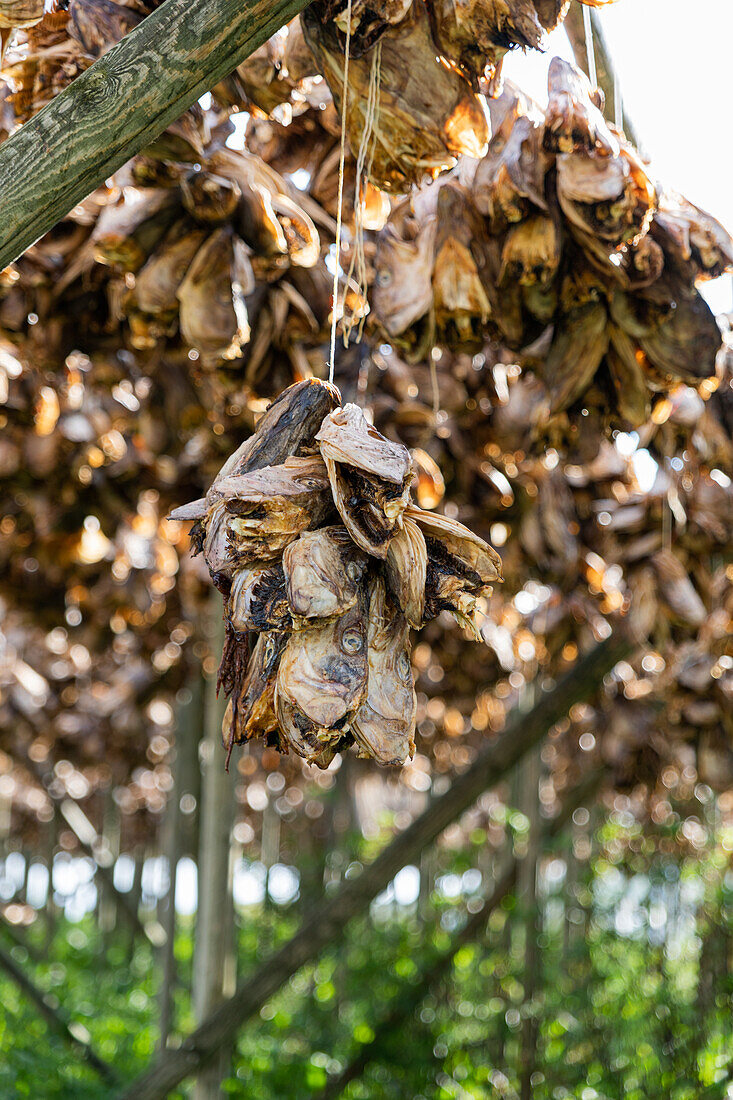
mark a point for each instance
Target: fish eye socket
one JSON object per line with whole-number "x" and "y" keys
{"x": 352, "y": 642}
{"x": 404, "y": 668}
{"x": 352, "y": 571}
{"x": 384, "y": 278}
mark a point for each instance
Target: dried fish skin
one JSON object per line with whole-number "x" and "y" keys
{"x": 301, "y": 235}
{"x": 578, "y": 347}
{"x": 461, "y": 304}
{"x": 322, "y": 680}
{"x": 476, "y": 34}
{"x": 531, "y": 252}
{"x": 209, "y": 198}
{"x": 286, "y": 429}
{"x": 402, "y": 292}
{"x": 257, "y": 599}
{"x": 213, "y": 314}
{"x": 384, "y": 725}
{"x": 573, "y": 121}
{"x": 323, "y": 571}
{"x": 370, "y": 477}
{"x": 406, "y": 569}
{"x": 428, "y": 114}
{"x": 251, "y": 709}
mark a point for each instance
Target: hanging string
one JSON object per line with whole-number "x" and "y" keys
{"x": 436, "y": 390}
{"x": 344, "y": 101}
{"x": 364, "y": 162}
{"x": 618, "y": 102}
{"x": 589, "y": 47}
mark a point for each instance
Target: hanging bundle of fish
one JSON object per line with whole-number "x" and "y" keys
{"x": 324, "y": 565}
{"x": 558, "y": 245}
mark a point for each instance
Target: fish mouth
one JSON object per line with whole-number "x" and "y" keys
{"x": 320, "y": 692}
{"x": 372, "y": 729}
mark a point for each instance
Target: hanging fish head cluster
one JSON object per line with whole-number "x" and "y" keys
{"x": 325, "y": 565}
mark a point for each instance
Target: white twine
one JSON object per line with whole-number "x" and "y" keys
{"x": 367, "y": 146}
{"x": 344, "y": 100}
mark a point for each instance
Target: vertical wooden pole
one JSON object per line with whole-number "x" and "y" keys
{"x": 527, "y": 892}
{"x": 189, "y": 714}
{"x": 213, "y": 955}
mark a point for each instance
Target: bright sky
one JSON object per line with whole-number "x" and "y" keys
{"x": 674, "y": 60}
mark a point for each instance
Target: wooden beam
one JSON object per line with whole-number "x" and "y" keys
{"x": 120, "y": 104}
{"x": 325, "y": 923}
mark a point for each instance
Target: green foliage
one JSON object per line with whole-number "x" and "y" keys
{"x": 631, "y": 1009}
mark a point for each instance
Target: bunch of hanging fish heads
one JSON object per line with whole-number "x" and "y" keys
{"x": 416, "y": 71}
{"x": 324, "y": 565}
{"x": 558, "y": 245}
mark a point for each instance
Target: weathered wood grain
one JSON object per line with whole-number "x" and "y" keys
{"x": 120, "y": 104}
{"x": 326, "y": 921}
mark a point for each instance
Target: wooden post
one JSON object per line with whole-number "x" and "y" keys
{"x": 213, "y": 967}
{"x": 188, "y": 727}
{"x": 120, "y": 104}
{"x": 527, "y": 897}
{"x": 326, "y": 920}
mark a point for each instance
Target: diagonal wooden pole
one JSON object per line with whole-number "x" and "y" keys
{"x": 120, "y": 104}
{"x": 327, "y": 920}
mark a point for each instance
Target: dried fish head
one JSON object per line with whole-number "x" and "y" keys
{"x": 128, "y": 231}
{"x": 427, "y": 114}
{"x": 98, "y": 24}
{"x": 624, "y": 360}
{"x": 531, "y": 252}
{"x": 693, "y": 240}
{"x": 685, "y": 342}
{"x": 251, "y": 709}
{"x": 257, "y": 599}
{"x": 509, "y": 182}
{"x": 209, "y": 198}
{"x": 610, "y": 198}
{"x": 579, "y": 343}
{"x": 370, "y": 477}
{"x": 461, "y": 304}
{"x": 212, "y": 307}
{"x": 384, "y": 725}
{"x": 406, "y": 569}
{"x": 156, "y": 284}
{"x": 403, "y": 291}
{"x": 475, "y": 35}
{"x": 461, "y": 567}
{"x": 322, "y": 680}
{"x": 264, "y": 511}
{"x": 573, "y": 120}
{"x": 323, "y": 574}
